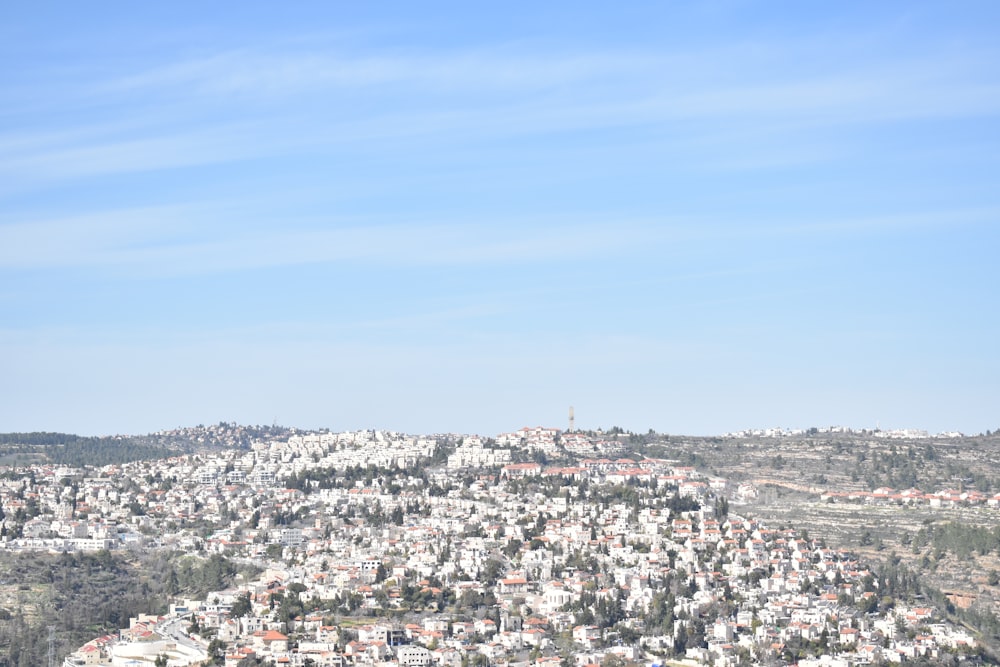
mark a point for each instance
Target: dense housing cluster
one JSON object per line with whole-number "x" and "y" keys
{"x": 535, "y": 547}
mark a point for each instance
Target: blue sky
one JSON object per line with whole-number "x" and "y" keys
{"x": 692, "y": 217}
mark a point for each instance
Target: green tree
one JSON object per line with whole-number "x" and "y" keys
{"x": 217, "y": 651}
{"x": 241, "y": 606}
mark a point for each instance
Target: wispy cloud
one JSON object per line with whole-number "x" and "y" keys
{"x": 908, "y": 90}
{"x": 89, "y": 238}
{"x": 255, "y": 103}
{"x": 160, "y": 241}
{"x": 730, "y": 80}
{"x": 260, "y": 74}
{"x": 886, "y": 224}
{"x": 115, "y": 156}
{"x": 147, "y": 241}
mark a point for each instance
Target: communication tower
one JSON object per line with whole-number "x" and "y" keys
{"x": 572, "y": 424}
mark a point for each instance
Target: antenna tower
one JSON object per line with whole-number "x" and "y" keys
{"x": 572, "y": 421}
{"x": 52, "y": 646}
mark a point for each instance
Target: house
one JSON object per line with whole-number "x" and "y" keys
{"x": 486, "y": 627}
{"x": 517, "y": 470}
{"x": 87, "y": 655}
{"x": 271, "y": 641}
{"x": 413, "y": 656}
{"x": 848, "y": 636}
{"x": 587, "y": 635}
{"x": 238, "y": 655}
{"x": 513, "y": 585}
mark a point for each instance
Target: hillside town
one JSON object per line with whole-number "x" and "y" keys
{"x": 534, "y": 547}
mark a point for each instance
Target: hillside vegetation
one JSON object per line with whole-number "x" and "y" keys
{"x": 83, "y": 596}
